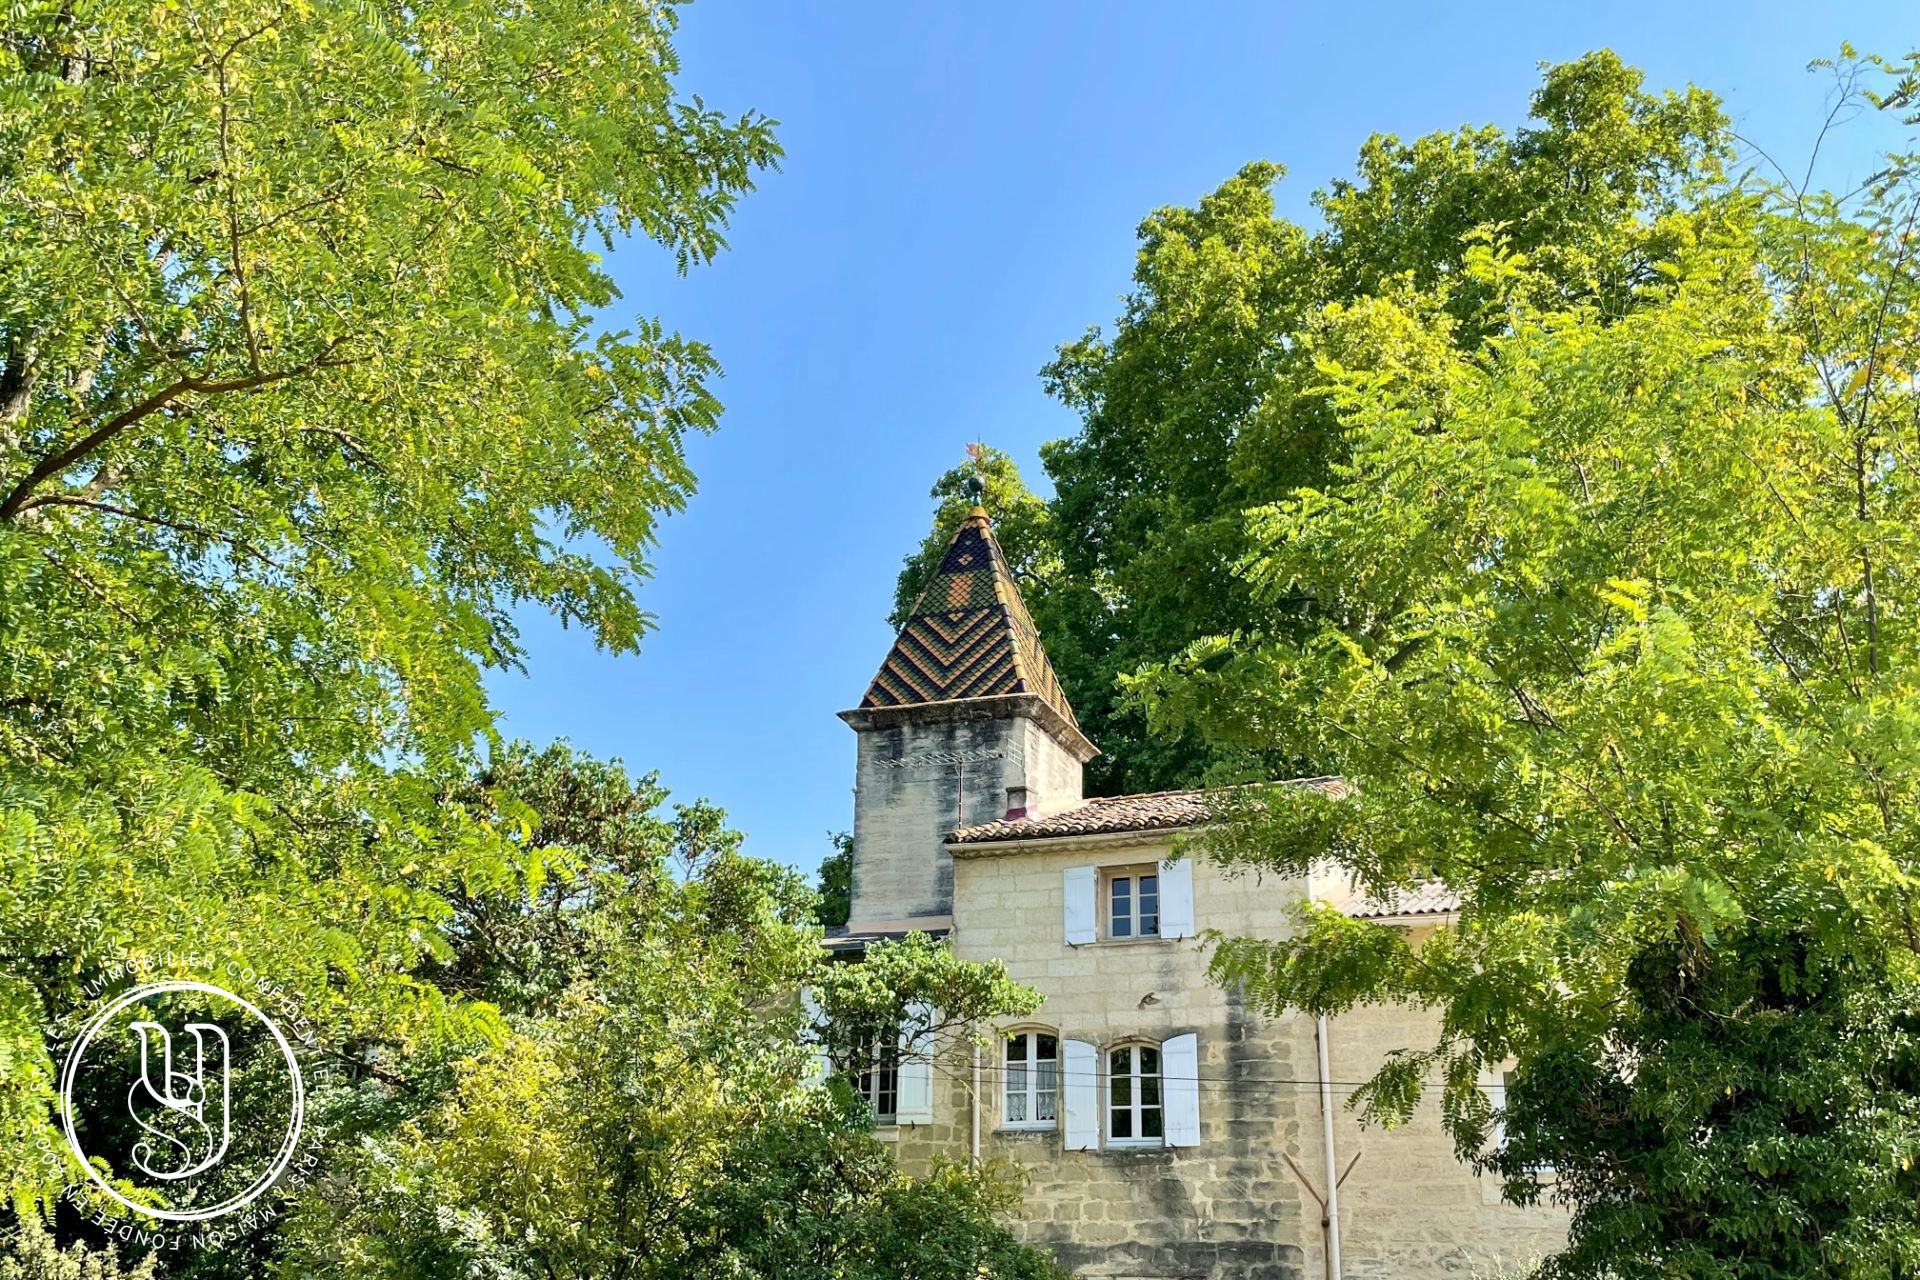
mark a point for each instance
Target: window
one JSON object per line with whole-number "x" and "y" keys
{"x": 1497, "y": 1094}
{"x": 1032, "y": 1081}
{"x": 1133, "y": 903}
{"x": 1151, "y": 901}
{"x": 879, "y": 1080}
{"x": 1133, "y": 1096}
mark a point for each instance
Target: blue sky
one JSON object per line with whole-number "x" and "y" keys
{"x": 960, "y": 193}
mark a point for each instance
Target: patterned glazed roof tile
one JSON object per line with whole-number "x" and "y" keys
{"x": 969, "y": 635}
{"x": 1108, "y": 815}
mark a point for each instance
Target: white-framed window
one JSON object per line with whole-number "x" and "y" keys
{"x": 1497, "y": 1095}
{"x": 879, "y": 1080}
{"x": 1030, "y": 1096}
{"x": 1135, "y": 1111}
{"x": 1153, "y": 901}
{"x": 1130, "y": 898}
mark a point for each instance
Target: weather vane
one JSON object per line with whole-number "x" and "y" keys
{"x": 975, "y": 485}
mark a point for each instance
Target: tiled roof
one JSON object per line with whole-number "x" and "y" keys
{"x": 1106, "y": 815}
{"x": 969, "y": 635}
{"x": 1429, "y": 899}
{"x": 843, "y": 940}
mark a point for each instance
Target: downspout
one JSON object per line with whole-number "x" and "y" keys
{"x": 976, "y": 1106}
{"x": 1332, "y": 1223}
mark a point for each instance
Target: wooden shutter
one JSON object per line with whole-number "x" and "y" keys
{"x": 1078, "y": 893}
{"x": 1176, "y": 899}
{"x": 1180, "y": 1089}
{"x": 916, "y": 1066}
{"x": 1080, "y": 1095}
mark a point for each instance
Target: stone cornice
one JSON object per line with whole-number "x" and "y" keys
{"x": 1004, "y": 706}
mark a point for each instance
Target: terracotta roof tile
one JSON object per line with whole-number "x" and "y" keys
{"x": 1429, "y": 899}
{"x": 1107, "y": 815}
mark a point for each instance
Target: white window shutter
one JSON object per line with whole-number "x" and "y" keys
{"x": 819, "y": 1066}
{"x": 1176, "y": 899}
{"x": 1077, "y": 888}
{"x": 1080, "y": 1090}
{"x": 1180, "y": 1089}
{"x": 916, "y": 1066}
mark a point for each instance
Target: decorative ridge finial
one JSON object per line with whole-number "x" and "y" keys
{"x": 975, "y": 485}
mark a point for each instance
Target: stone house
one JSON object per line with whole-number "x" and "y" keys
{"x": 1165, "y": 1130}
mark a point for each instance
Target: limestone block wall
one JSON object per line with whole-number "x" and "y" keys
{"x": 922, "y": 771}
{"x": 1053, "y": 773}
{"x": 1229, "y": 1206}
{"x": 1411, "y": 1208}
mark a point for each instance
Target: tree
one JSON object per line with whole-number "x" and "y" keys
{"x": 649, "y": 1118}
{"x": 1201, "y": 404}
{"x": 594, "y": 839}
{"x": 836, "y": 882}
{"x": 915, "y": 984}
{"x": 302, "y": 388}
{"x": 1614, "y": 634}
{"x": 27, "y": 1252}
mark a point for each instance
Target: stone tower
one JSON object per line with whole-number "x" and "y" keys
{"x": 965, "y": 722}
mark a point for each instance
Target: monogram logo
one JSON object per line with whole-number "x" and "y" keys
{"x": 152, "y": 1114}
{"x": 180, "y": 1096}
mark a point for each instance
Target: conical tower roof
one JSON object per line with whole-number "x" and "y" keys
{"x": 969, "y": 635}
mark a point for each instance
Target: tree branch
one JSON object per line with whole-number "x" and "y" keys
{"x": 178, "y": 526}
{"x": 21, "y": 497}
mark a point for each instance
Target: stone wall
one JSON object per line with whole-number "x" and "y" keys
{"x": 922, "y": 771}
{"x": 1411, "y": 1208}
{"x": 1230, "y": 1206}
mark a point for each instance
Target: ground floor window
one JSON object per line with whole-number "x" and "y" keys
{"x": 879, "y": 1080}
{"x": 1497, "y": 1095}
{"x": 1032, "y": 1080}
{"x": 1133, "y": 1095}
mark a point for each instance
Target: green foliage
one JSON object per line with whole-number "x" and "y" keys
{"x": 1613, "y": 622}
{"x": 1201, "y": 403}
{"x": 816, "y": 1197}
{"x": 304, "y": 387}
{"x": 836, "y": 882}
{"x": 649, "y": 1119}
{"x": 592, "y": 838}
{"x": 917, "y": 984}
{"x": 301, "y": 390}
{"x": 27, "y": 1252}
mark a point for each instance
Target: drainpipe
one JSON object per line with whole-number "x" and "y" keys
{"x": 976, "y": 1106}
{"x": 1333, "y": 1172}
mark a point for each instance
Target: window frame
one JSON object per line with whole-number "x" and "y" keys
{"x": 1503, "y": 1081}
{"x": 1137, "y": 1107}
{"x": 879, "y": 1076}
{"x": 1031, "y": 1092}
{"x": 1131, "y": 875}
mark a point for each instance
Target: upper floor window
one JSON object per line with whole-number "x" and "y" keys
{"x": 1134, "y": 1111}
{"x": 1032, "y": 1080}
{"x": 1127, "y": 903}
{"x": 1133, "y": 903}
